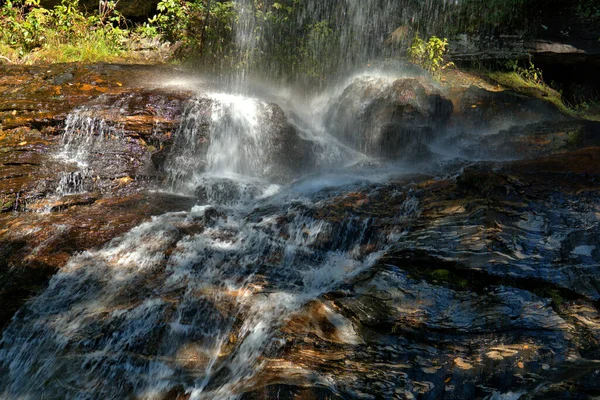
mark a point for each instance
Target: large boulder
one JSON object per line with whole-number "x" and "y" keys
{"x": 387, "y": 118}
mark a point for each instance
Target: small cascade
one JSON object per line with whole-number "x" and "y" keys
{"x": 239, "y": 136}
{"x": 232, "y": 148}
{"x": 100, "y": 142}
{"x": 221, "y": 150}
{"x": 126, "y": 320}
{"x": 222, "y": 134}
{"x": 85, "y": 144}
{"x": 85, "y": 136}
{"x": 75, "y": 182}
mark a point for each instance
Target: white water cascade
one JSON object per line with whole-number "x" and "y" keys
{"x": 192, "y": 301}
{"x": 222, "y": 135}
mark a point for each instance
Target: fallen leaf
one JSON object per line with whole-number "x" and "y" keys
{"x": 119, "y": 84}
{"x": 22, "y": 143}
{"x": 86, "y": 86}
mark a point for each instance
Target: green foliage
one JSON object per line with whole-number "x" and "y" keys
{"x": 475, "y": 16}
{"x": 529, "y": 80}
{"x": 317, "y": 45}
{"x": 23, "y": 24}
{"x": 531, "y": 73}
{"x": 201, "y": 26}
{"x": 33, "y": 31}
{"x": 172, "y": 18}
{"x": 589, "y": 10}
{"x": 429, "y": 55}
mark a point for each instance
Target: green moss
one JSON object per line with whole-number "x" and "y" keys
{"x": 574, "y": 138}
{"x": 441, "y": 276}
{"x": 553, "y": 294}
{"x": 7, "y": 203}
{"x": 515, "y": 81}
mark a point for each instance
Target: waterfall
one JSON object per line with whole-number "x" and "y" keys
{"x": 222, "y": 134}
{"x": 193, "y": 302}
{"x": 85, "y": 136}
{"x": 315, "y": 41}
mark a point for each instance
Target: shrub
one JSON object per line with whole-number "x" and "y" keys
{"x": 429, "y": 55}
{"x": 34, "y": 32}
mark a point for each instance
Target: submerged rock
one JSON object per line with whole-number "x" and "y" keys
{"x": 222, "y": 190}
{"x": 389, "y": 118}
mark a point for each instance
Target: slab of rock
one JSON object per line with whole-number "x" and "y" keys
{"x": 50, "y": 208}
{"x": 482, "y": 111}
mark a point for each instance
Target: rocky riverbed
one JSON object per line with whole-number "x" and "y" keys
{"x": 480, "y": 272}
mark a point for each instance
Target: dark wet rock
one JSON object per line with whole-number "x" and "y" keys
{"x": 385, "y": 118}
{"x": 494, "y": 275}
{"x": 519, "y": 217}
{"x": 290, "y": 392}
{"x": 530, "y": 140}
{"x": 480, "y": 110}
{"x": 227, "y": 191}
{"x": 288, "y": 154}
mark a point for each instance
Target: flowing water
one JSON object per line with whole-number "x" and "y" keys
{"x": 194, "y": 300}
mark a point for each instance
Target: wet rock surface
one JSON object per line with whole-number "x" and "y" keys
{"x": 52, "y": 209}
{"x": 482, "y": 110}
{"x": 529, "y": 140}
{"x": 476, "y": 281}
{"x": 492, "y": 286}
